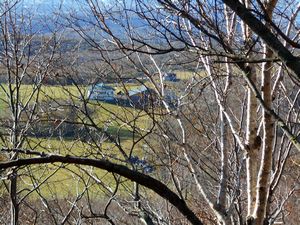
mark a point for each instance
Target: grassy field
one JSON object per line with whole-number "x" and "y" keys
{"x": 116, "y": 119}
{"x": 68, "y": 180}
{"x": 185, "y": 75}
{"x": 119, "y": 121}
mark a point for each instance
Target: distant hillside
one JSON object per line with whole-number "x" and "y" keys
{"x": 52, "y": 15}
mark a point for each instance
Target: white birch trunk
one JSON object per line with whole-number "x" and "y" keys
{"x": 252, "y": 138}
{"x": 263, "y": 183}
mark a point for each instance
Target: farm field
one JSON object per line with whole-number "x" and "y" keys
{"x": 185, "y": 75}
{"x": 73, "y": 95}
{"x": 61, "y": 179}
{"x": 121, "y": 123}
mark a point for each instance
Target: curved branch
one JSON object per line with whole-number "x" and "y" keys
{"x": 145, "y": 180}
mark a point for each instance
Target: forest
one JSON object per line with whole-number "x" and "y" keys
{"x": 209, "y": 134}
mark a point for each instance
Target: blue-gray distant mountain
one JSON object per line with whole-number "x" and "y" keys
{"x": 51, "y": 15}
{"x": 48, "y": 6}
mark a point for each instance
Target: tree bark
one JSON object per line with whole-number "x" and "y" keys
{"x": 263, "y": 185}
{"x": 253, "y": 143}
{"x": 268, "y": 136}
{"x": 252, "y": 140}
{"x": 14, "y": 211}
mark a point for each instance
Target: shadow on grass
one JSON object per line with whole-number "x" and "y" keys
{"x": 121, "y": 132}
{"x": 79, "y": 132}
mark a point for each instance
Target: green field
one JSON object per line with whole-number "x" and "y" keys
{"x": 185, "y": 75}
{"x": 123, "y": 124}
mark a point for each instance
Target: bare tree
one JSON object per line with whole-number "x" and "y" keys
{"x": 26, "y": 58}
{"x": 221, "y": 154}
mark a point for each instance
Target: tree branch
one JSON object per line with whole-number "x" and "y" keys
{"x": 291, "y": 61}
{"x": 145, "y": 180}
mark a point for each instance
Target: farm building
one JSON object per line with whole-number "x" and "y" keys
{"x": 141, "y": 97}
{"x": 101, "y": 92}
{"x": 170, "y": 77}
{"x": 138, "y": 91}
{"x": 138, "y": 97}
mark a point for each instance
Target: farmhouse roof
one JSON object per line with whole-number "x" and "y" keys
{"x": 170, "y": 74}
{"x": 138, "y": 90}
{"x": 101, "y": 86}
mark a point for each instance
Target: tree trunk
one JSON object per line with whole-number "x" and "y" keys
{"x": 268, "y": 136}
{"x": 253, "y": 143}
{"x": 252, "y": 140}
{"x": 14, "y": 213}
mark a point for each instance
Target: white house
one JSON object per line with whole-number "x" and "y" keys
{"x": 101, "y": 92}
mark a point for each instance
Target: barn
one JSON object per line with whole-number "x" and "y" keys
{"x": 140, "y": 97}
{"x": 100, "y": 92}
{"x": 170, "y": 77}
